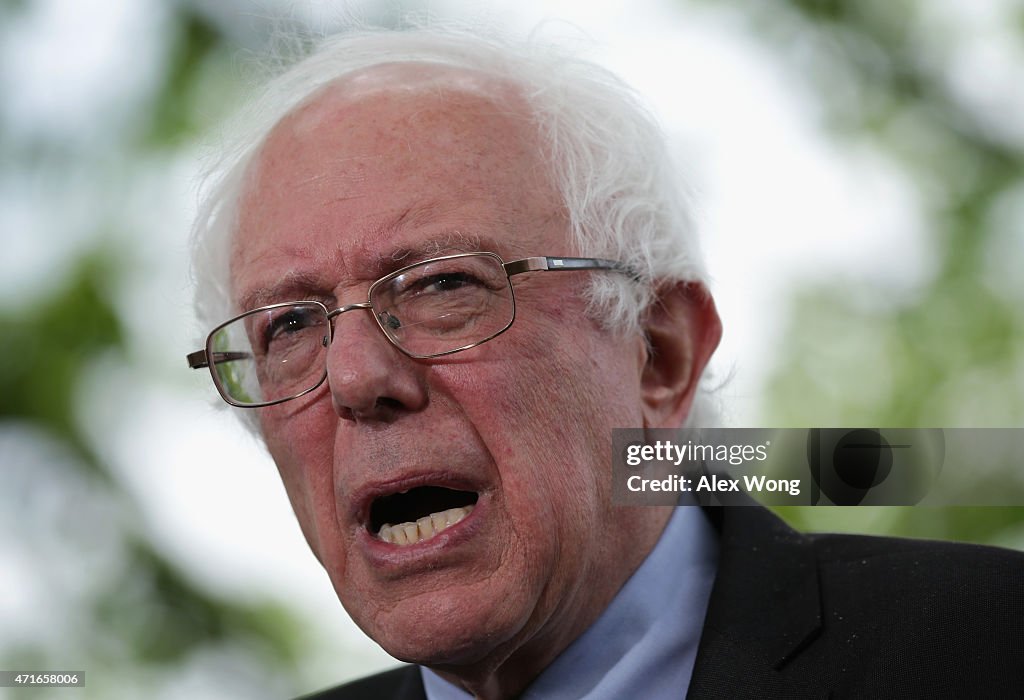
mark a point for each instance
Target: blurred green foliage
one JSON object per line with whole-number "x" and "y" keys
{"x": 162, "y": 616}
{"x": 951, "y": 353}
{"x": 149, "y": 612}
{"x": 49, "y": 344}
{"x": 141, "y": 617}
{"x": 196, "y": 46}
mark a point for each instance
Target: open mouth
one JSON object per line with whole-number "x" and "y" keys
{"x": 418, "y": 514}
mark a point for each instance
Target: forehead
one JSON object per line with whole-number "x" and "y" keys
{"x": 395, "y": 160}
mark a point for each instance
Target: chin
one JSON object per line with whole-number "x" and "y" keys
{"x": 444, "y": 630}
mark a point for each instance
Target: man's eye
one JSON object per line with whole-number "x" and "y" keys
{"x": 288, "y": 323}
{"x": 445, "y": 282}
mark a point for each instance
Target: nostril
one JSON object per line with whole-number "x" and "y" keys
{"x": 389, "y": 403}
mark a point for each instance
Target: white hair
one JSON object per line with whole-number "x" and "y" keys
{"x": 606, "y": 156}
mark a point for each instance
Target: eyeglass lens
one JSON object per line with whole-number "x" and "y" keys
{"x": 430, "y": 309}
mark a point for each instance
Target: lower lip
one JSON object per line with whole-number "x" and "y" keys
{"x": 389, "y": 555}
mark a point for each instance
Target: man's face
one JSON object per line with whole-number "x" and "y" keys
{"x": 362, "y": 181}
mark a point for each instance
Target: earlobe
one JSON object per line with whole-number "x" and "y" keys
{"x": 682, "y": 329}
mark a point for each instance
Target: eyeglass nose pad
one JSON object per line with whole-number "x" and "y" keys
{"x": 389, "y": 320}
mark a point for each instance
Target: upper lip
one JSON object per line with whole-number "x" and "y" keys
{"x": 364, "y": 496}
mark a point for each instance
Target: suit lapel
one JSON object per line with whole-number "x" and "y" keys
{"x": 765, "y": 608}
{"x": 411, "y": 687}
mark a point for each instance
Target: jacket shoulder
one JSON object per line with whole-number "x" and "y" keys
{"x": 796, "y": 615}
{"x": 921, "y": 577}
{"x": 401, "y": 683}
{"x": 840, "y": 545}
{"x": 910, "y": 561}
{"x": 942, "y": 614}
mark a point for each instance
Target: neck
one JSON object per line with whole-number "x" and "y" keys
{"x": 511, "y": 668}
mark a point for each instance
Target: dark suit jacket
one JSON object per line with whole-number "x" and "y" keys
{"x": 837, "y": 616}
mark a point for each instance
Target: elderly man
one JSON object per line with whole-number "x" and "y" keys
{"x": 504, "y": 227}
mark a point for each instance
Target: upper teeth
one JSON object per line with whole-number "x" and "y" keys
{"x": 424, "y": 528}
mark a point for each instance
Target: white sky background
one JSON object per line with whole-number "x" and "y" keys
{"x": 779, "y": 205}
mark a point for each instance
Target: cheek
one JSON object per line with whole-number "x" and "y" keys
{"x": 553, "y": 392}
{"x": 300, "y": 438}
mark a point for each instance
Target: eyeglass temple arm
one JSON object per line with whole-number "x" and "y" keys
{"x": 199, "y": 360}
{"x": 538, "y": 264}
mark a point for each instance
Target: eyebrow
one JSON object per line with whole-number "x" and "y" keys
{"x": 295, "y": 285}
{"x": 447, "y": 243}
{"x": 299, "y": 285}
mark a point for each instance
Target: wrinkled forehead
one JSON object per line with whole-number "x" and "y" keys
{"x": 389, "y": 143}
{"x": 358, "y": 116}
{"x": 425, "y": 101}
{"x": 409, "y": 94}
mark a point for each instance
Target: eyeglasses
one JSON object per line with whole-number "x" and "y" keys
{"x": 435, "y": 307}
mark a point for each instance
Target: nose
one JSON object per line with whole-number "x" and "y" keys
{"x": 370, "y": 379}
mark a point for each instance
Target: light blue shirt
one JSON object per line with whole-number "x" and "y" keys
{"x": 645, "y": 642}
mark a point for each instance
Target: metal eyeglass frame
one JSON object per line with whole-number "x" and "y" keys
{"x": 202, "y": 358}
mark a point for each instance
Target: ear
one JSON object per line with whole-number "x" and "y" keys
{"x": 683, "y": 330}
